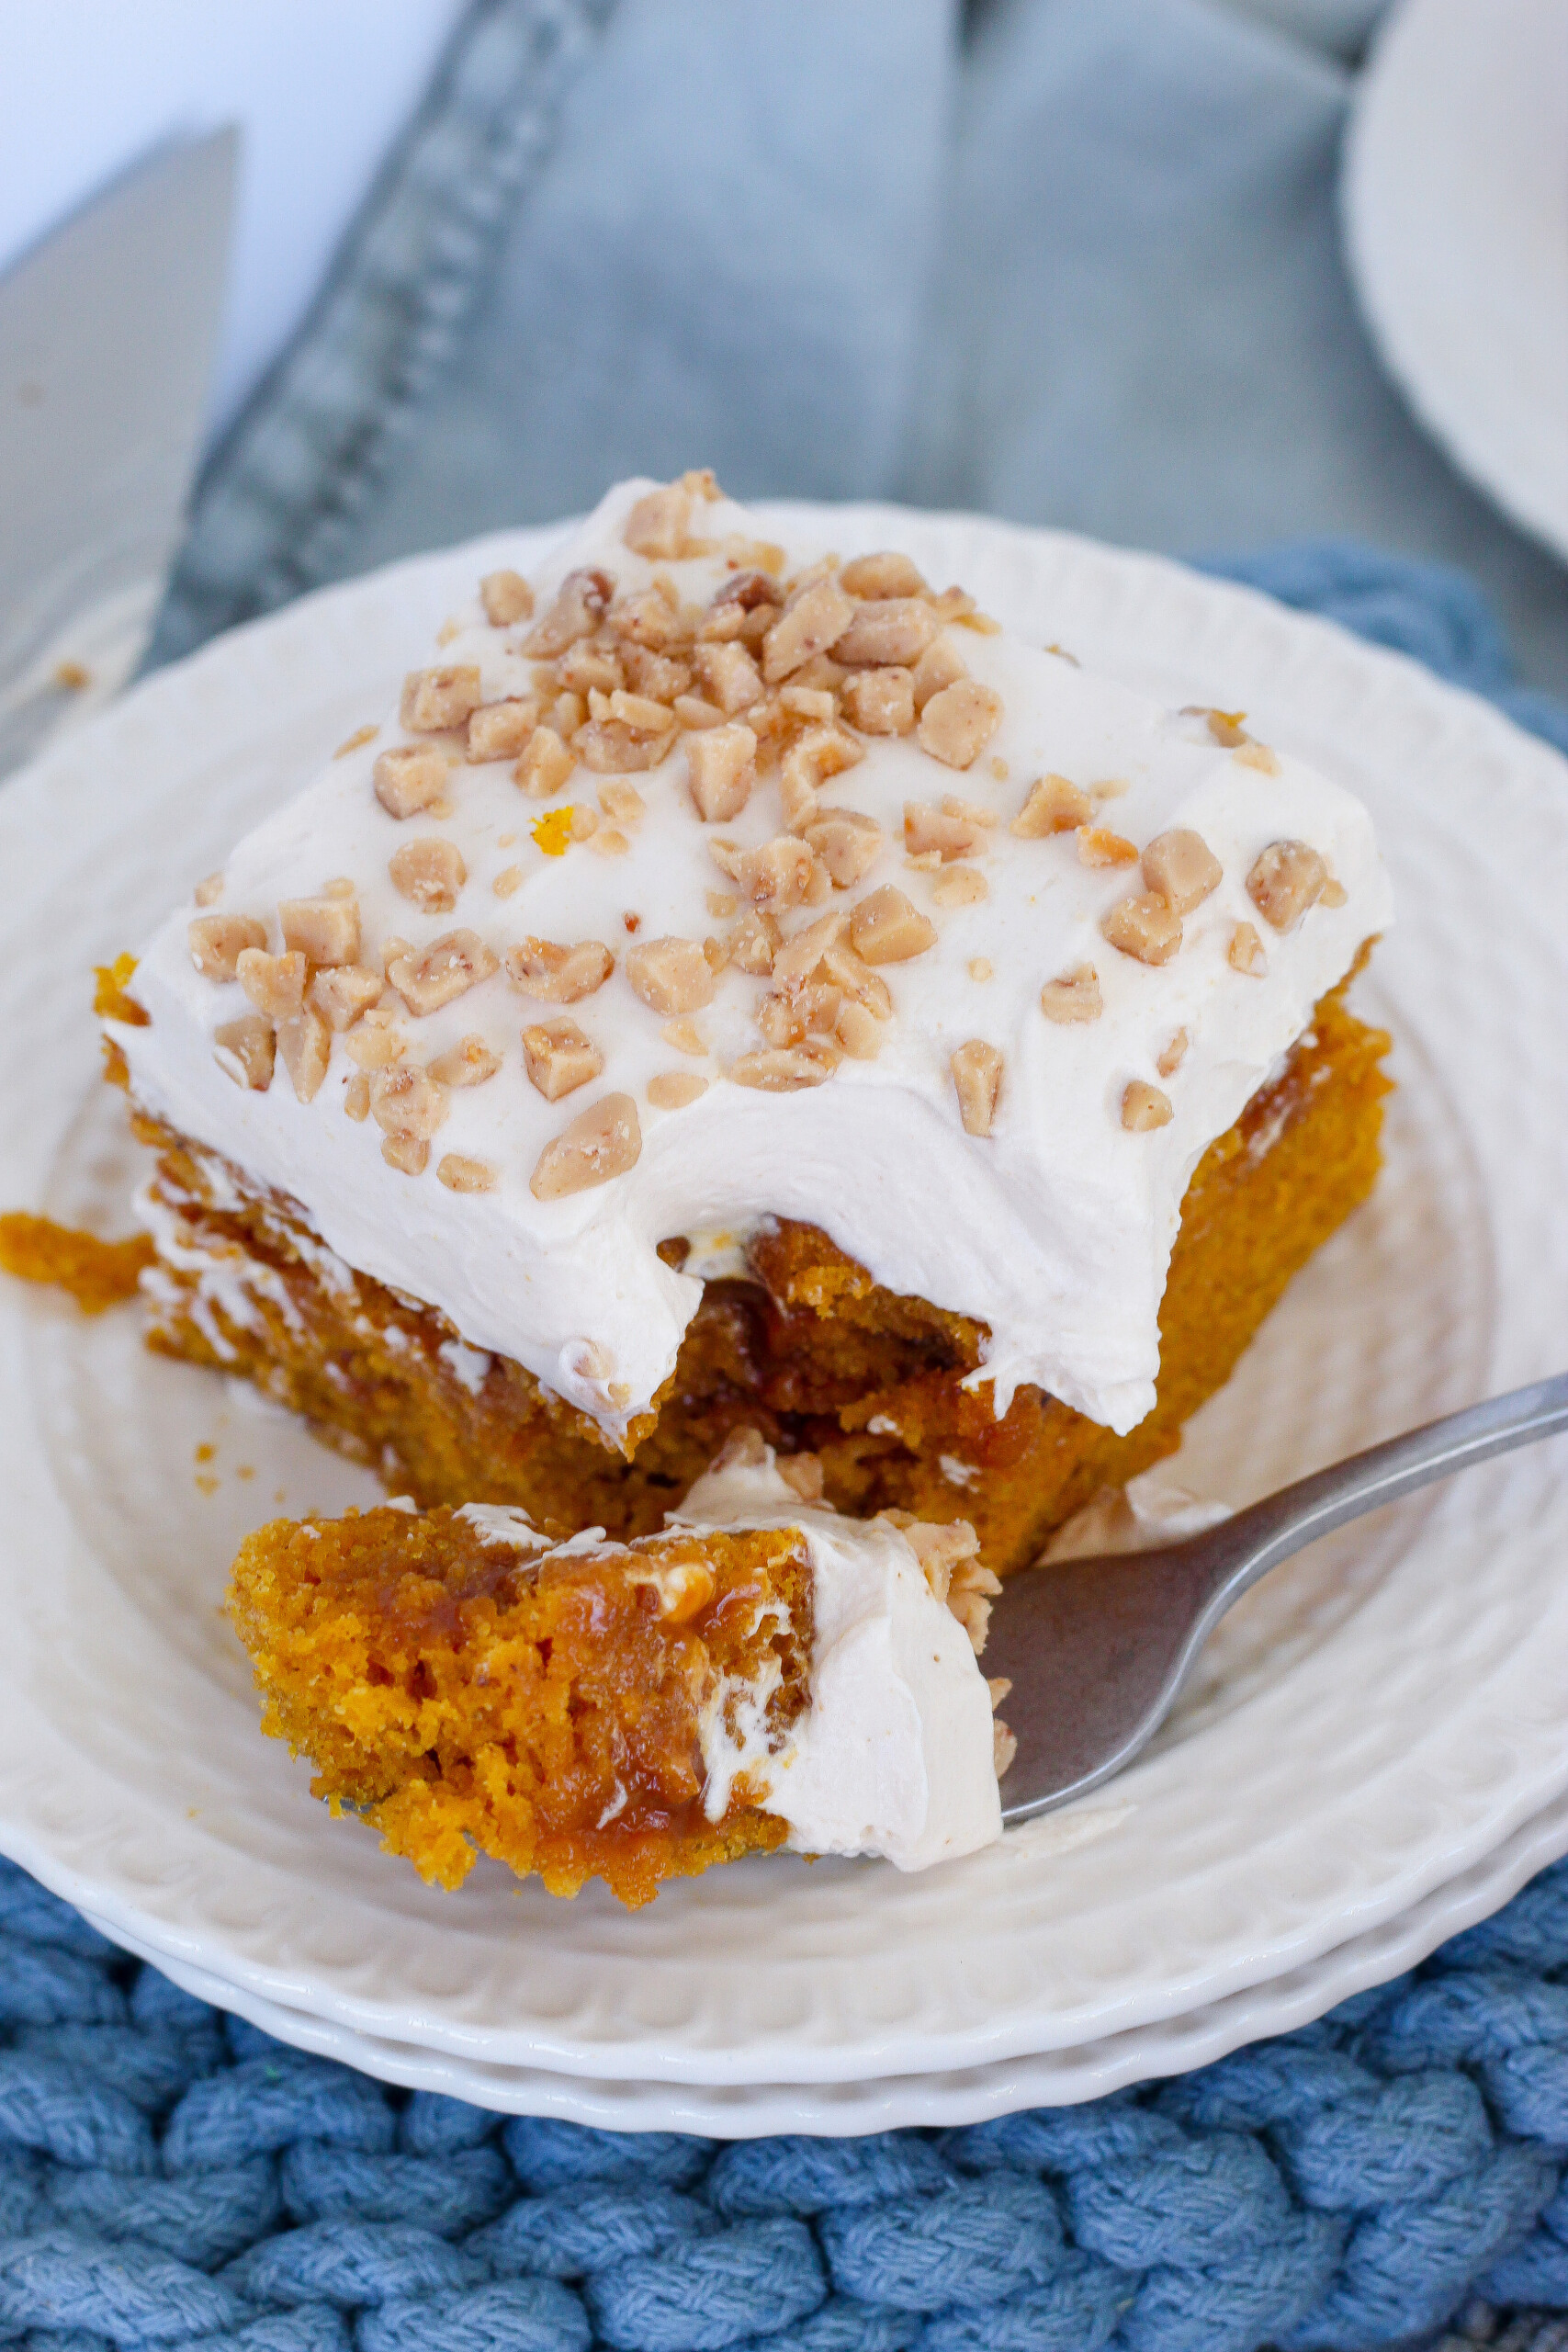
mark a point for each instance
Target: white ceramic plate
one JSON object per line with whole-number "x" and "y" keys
{"x": 966, "y": 2093}
{"x": 1455, "y": 203}
{"x": 1384, "y": 1713}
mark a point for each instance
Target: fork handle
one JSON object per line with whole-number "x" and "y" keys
{"x": 1258, "y": 1538}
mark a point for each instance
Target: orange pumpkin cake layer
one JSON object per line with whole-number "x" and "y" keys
{"x": 545, "y": 1709}
{"x": 808, "y": 1350}
{"x": 765, "y": 1671}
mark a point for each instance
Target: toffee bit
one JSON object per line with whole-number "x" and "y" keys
{"x": 939, "y": 666}
{"x": 1144, "y": 1106}
{"x": 557, "y": 975}
{"x": 729, "y": 677}
{"x": 881, "y": 702}
{"x": 304, "y": 1047}
{"x": 461, "y": 1173}
{"x": 885, "y": 929}
{"x": 455, "y": 962}
{"x": 669, "y": 975}
{"x": 429, "y": 873}
{"x": 559, "y": 1057}
{"x": 895, "y": 630}
{"x": 1052, "y": 805}
{"x": 275, "y": 984}
{"x": 1074, "y": 997}
{"x": 785, "y": 1069}
{"x": 848, "y": 843}
{"x": 977, "y": 1077}
{"x": 342, "y": 991}
{"x": 602, "y": 1142}
{"x": 325, "y": 929}
{"x": 356, "y": 741}
{"x": 506, "y": 597}
{"x": 545, "y": 766}
{"x": 1181, "y": 866}
{"x": 500, "y": 731}
{"x": 1286, "y": 879}
{"x": 1245, "y": 952}
{"x": 672, "y": 1089}
{"x": 406, "y": 1100}
{"x": 216, "y": 943}
{"x": 409, "y": 1154}
{"x": 356, "y": 1096}
{"x": 960, "y": 885}
{"x": 409, "y": 778}
{"x": 468, "y": 1063}
{"x": 776, "y": 876}
{"x": 721, "y": 770}
{"x": 816, "y": 617}
{"x": 435, "y": 700}
{"x": 244, "y": 1050}
{"x": 685, "y": 1036}
{"x": 858, "y": 1031}
{"x": 880, "y": 575}
{"x": 1174, "y": 1055}
{"x": 582, "y": 602}
{"x": 942, "y": 830}
{"x": 1150, "y": 929}
{"x": 1098, "y": 846}
{"x": 208, "y": 889}
{"x": 957, "y": 723}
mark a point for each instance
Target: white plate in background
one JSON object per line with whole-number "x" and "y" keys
{"x": 1454, "y": 202}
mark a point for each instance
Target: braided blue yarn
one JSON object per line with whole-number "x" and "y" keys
{"x": 171, "y": 2178}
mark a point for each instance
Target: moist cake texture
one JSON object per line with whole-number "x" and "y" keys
{"x": 719, "y": 914}
{"x": 760, "y": 1674}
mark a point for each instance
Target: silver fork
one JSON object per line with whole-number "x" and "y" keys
{"x": 1097, "y": 1649}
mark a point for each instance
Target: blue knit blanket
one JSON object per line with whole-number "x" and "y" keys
{"x": 169, "y": 2176}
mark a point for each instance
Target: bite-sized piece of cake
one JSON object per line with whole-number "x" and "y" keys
{"x": 745, "y": 982}
{"x": 763, "y": 1674}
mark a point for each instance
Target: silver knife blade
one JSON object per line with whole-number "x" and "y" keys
{"x": 108, "y": 330}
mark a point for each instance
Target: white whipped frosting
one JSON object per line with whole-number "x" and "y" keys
{"x": 1055, "y": 1229}
{"x": 894, "y": 1756}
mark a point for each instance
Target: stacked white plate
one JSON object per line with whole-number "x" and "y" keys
{"x": 1374, "y": 1753}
